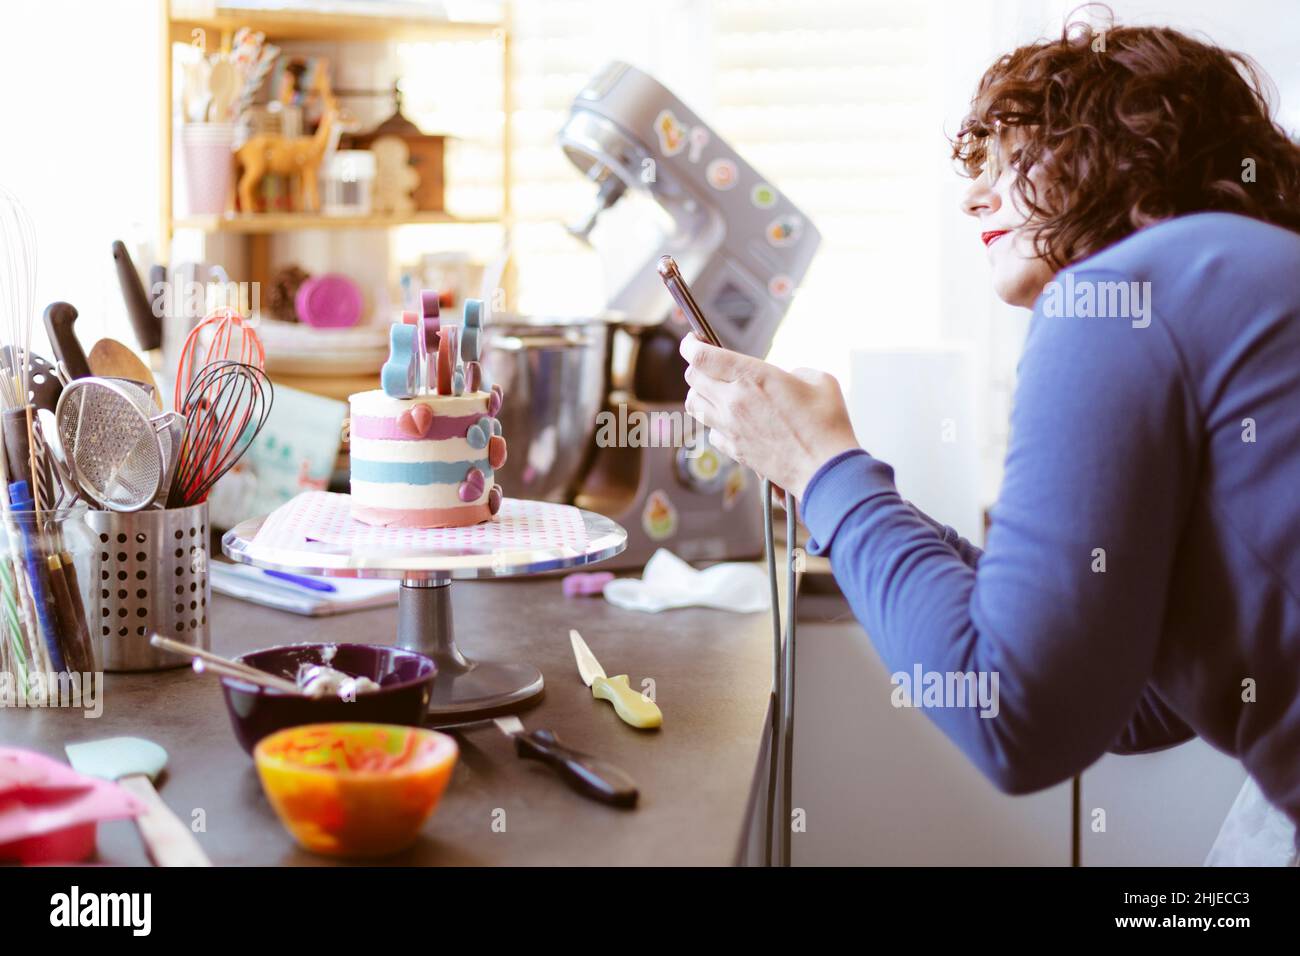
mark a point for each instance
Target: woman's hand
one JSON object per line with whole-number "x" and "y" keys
{"x": 784, "y": 425}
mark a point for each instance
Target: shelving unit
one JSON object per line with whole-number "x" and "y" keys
{"x": 270, "y": 222}
{"x": 217, "y": 28}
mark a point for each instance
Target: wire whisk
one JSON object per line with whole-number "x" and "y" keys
{"x": 224, "y": 335}
{"x": 225, "y": 408}
{"x": 42, "y": 620}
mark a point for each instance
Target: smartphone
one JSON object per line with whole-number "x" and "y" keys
{"x": 681, "y": 294}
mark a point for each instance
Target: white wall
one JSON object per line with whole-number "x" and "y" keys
{"x": 80, "y": 87}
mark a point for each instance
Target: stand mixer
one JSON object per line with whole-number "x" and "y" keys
{"x": 742, "y": 246}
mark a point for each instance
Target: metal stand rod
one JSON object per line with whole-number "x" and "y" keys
{"x": 465, "y": 689}
{"x": 781, "y": 744}
{"x": 793, "y": 558}
{"x": 773, "y": 749}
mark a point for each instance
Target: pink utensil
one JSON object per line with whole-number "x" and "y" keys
{"x": 329, "y": 301}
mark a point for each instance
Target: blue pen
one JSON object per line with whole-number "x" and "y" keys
{"x": 310, "y": 584}
{"x": 20, "y": 499}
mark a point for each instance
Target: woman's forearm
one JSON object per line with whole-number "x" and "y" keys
{"x": 1066, "y": 605}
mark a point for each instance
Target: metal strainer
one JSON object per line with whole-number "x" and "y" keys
{"x": 116, "y": 449}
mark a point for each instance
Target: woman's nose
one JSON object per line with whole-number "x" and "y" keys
{"x": 979, "y": 198}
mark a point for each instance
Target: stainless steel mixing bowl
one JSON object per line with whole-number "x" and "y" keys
{"x": 554, "y": 372}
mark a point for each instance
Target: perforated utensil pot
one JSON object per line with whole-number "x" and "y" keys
{"x": 150, "y": 574}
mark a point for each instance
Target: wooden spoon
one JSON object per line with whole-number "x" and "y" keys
{"x": 111, "y": 359}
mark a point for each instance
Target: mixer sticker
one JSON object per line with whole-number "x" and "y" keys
{"x": 721, "y": 174}
{"x": 731, "y": 490}
{"x": 671, "y": 133}
{"x": 699, "y": 139}
{"x": 763, "y": 196}
{"x": 784, "y": 230}
{"x": 659, "y": 519}
{"x": 780, "y": 286}
{"x": 704, "y": 465}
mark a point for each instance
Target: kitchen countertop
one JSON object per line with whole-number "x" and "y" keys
{"x": 712, "y": 673}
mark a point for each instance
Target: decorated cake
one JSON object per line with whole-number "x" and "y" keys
{"x": 425, "y": 447}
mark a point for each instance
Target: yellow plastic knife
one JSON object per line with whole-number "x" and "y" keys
{"x": 633, "y": 707}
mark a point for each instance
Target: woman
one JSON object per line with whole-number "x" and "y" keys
{"x": 1141, "y": 583}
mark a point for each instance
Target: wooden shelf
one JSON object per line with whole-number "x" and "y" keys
{"x": 219, "y": 24}
{"x": 282, "y": 25}
{"x": 261, "y": 223}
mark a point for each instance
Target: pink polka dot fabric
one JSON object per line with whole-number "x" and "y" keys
{"x": 324, "y": 516}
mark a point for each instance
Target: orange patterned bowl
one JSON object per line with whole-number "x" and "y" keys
{"x": 354, "y": 790}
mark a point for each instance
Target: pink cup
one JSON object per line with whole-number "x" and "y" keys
{"x": 207, "y": 152}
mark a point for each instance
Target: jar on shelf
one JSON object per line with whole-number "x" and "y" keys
{"x": 348, "y": 183}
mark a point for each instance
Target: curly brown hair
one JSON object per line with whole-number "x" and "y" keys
{"x": 1131, "y": 126}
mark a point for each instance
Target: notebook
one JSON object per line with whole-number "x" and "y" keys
{"x": 253, "y": 584}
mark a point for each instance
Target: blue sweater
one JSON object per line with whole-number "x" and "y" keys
{"x": 1141, "y": 583}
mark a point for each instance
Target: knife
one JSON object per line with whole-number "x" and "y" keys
{"x": 590, "y": 776}
{"x": 634, "y": 707}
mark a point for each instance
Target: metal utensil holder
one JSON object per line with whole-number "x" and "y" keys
{"x": 150, "y": 574}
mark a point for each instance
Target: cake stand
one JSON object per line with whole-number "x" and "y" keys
{"x": 466, "y": 689}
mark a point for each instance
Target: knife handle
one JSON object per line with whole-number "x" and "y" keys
{"x": 629, "y": 704}
{"x": 590, "y": 776}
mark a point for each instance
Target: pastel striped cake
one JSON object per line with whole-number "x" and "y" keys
{"x": 426, "y": 462}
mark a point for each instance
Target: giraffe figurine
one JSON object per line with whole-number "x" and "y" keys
{"x": 296, "y": 156}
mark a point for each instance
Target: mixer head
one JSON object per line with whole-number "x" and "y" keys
{"x": 741, "y": 244}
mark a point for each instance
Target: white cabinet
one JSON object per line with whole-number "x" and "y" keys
{"x": 883, "y": 786}
{"x": 1161, "y": 809}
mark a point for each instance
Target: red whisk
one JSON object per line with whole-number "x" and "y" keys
{"x": 232, "y": 338}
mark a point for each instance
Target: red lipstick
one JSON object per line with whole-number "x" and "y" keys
{"x": 993, "y": 236}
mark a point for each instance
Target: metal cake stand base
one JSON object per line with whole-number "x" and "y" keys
{"x": 465, "y": 689}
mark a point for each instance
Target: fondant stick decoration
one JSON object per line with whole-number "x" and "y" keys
{"x": 446, "y": 360}
{"x": 473, "y": 376}
{"x": 473, "y": 327}
{"x": 430, "y": 311}
{"x": 421, "y": 348}
{"x": 400, "y": 376}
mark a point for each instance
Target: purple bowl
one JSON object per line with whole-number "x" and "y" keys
{"x": 405, "y": 680}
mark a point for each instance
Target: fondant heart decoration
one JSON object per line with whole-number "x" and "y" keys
{"x": 473, "y": 376}
{"x": 494, "y": 402}
{"x": 458, "y": 383}
{"x": 471, "y": 489}
{"x": 476, "y": 437}
{"x": 496, "y": 426}
{"x": 496, "y": 451}
{"x": 494, "y": 499}
{"x": 415, "y": 422}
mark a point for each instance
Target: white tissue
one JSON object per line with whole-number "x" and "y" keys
{"x": 670, "y": 582}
